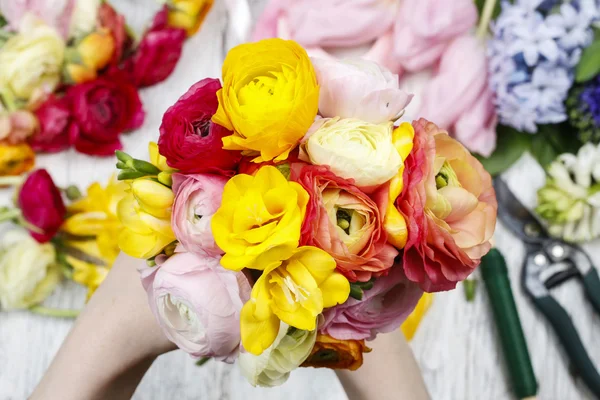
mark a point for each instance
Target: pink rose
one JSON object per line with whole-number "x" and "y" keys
{"x": 197, "y": 198}
{"x": 55, "y": 13}
{"x": 382, "y": 309}
{"x": 57, "y": 126}
{"x": 344, "y": 222}
{"x": 450, "y": 208}
{"x": 325, "y": 23}
{"x": 197, "y": 304}
{"x": 158, "y": 52}
{"x": 424, "y": 28}
{"x": 359, "y": 89}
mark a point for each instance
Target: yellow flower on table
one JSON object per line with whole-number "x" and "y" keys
{"x": 95, "y": 52}
{"x": 188, "y": 14}
{"x": 259, "y": 219}
{"x": 269, "y": 98}
{"x": 16, "y": 159}
{"x": 294, "y": 291}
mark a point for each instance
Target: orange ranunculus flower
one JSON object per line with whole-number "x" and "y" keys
{"x": 94, "y": 52}
{"x": 336, "y": 354}
{"x": 450, "y": 206}
{"x": 188, "y": 14}
{"x": 15, "y": 160}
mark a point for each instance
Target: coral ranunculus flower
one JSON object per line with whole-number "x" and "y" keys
{"x": 270, "y": 98}
{"x": 259, "y": 219}
{"x": 337, "y": 354}
{"x": 345, "y": 222}
{"x": 450, "y": 206}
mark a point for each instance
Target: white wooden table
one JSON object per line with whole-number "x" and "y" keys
{"x": 456, "y": 344}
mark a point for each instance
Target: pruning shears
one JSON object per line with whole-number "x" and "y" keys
{"x": 549, "y": 263}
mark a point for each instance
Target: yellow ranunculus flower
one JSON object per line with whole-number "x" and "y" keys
{"x": 394, "y": 223}
{"x": 269, "y": 98}
{"x": 145, "y": 213}
{"x": 31, "y": 61}
{"x": 95, "y": 52}
{"x": 259, "y": 219}
{"x": 294, "y": 291}
{"x": 188, "y": 14}
{"x": 94, "y": 227}
{"x": 17, "y": 159}
{"x": 354, "y": 149}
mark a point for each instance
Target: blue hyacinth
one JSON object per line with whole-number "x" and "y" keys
{"x": 536, "y": 45}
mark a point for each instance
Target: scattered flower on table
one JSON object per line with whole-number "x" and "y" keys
{"x": 334, "y": 214}
{"x": 570, "y": 200}
{"x": 15, "y": 159}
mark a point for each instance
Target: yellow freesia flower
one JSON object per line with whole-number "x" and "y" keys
{"x": 259, "y": 219}
{"x": 294, "y": 291}
{"x": 145, "y": 213}
{"x": 394, "y": 223}
{"x": 93, "y": 229}
{"x": 188, "y": 14}
{"x": 269, "y": 98}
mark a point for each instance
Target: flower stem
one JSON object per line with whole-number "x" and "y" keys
{"x": 486, "y": 17}
{"x": 11, "y": 180}
{"x": 54, "y": 312}
{"x": 8, "y": 100}
{"x": 6, "y": 214}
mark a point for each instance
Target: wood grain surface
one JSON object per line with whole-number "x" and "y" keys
{"x": 456, "y": 344}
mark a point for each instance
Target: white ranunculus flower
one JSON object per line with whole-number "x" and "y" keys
{"x": 28, "y": 270}
{"x": 358, "y": 88}
{"x": 84, "y": 17}
{"x": 272, "y": 368}
{"x": 354, "y": 149}
{"x": 31, "y": 61}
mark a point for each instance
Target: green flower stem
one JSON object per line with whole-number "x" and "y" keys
{"x": 8, "y": 100}
{"x": 11, "y": 180}
{"x": 7, "y": 214}
{"x": 54, "y": 312}
{"x": 486, "y": 17}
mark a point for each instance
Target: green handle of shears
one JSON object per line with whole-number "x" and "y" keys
{"x": 497, "y": 282}
{"x": 591, "y": 282}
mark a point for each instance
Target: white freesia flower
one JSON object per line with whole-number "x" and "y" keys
{"x": 84, "y": 17}
{"x": 28, "y": 272}
{"x": 354, "y": 149}
{"x": 272, "y": 368}
{"x": 31, "y": 61}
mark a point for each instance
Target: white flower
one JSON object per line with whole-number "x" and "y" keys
{"x": 84, "y": 17}
{"x": 272, "y": 368}
{"x": 354, "y": 149}
{"x": 28, "y": 272}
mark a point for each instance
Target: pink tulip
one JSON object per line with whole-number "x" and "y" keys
{"x": 326, "y": 23}
{"x": 458, "y": 98}
{"x": 197, "y": 198}
{"x": 197, "y": 304}
{"x": 359, "y": 89}
{"x": 56, "y": 13}
{"x": 424, "y": 28}
{"x": 383, "y": 309}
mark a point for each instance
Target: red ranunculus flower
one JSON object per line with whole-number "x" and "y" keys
{"x": 345, "y": 222}
{"x": 158, "y": 52}
{"x": 189, "y": 140}
{"x": 42, "y": 205}
{"x": 103, "y": 109}
{"x": 56, "y": 126}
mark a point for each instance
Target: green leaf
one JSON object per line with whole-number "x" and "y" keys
{"x": 551, "y": 141}
{"x": 202, "y": 361}
{"x": 470, "y": 286}
{"x": 510, "y": 146}
{"x": 589, "y": 64}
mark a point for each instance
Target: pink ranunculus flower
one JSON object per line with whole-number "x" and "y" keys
{"x": 423, "y": 29}
{"x": 382, "y": 309}
{"x": 55, "y": 13}
{"x": 450, "y": 208}
{"x": 57, "y": 126}
{"x": 359, "y": 89}
{"x": 17, "y": 126}
{"x": 327, "y": 23}
{"x": 458, "y": 98}
{"x": 197, "y": 304}
{"x": 197, "y": 198}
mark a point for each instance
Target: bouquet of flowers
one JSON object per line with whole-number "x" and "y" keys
{"x": 71, "y": 72}
{"x": 288, "y": 215}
